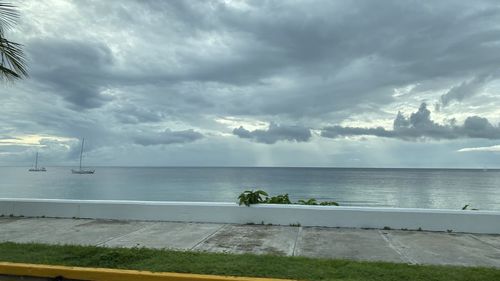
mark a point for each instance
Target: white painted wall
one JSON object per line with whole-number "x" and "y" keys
{"x": 329, "y": 216}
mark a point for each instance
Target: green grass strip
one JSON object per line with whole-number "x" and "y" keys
{"x": 299, "y": 268}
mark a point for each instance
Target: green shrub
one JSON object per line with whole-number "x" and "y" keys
{"x": 279, "y": 199}
{"x": 311, "y": 201}
{"x": 249, "y": 197}
{"x": 329, "y": 203}
{"x": 252, "y": 197}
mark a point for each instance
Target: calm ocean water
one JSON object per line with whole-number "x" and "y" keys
{"x": 419, "y": 188}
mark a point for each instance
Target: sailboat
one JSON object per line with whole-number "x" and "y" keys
{"x": 81, "y": 170}
{"x": 36, "y": 168}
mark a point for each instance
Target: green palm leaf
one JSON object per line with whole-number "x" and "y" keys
{"x": 8, "y": 16}
{"x": 12, "y": 59}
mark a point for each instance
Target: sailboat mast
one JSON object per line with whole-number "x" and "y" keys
{"x": 36, "y": 161}
{"x": 81, "y": 153}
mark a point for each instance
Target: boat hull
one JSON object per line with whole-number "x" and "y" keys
{"x": 38, "y": 170}
{"x": 82, "y": 172}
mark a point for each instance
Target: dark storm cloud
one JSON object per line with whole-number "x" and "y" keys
{"x": 167, "y": 137}
{"x": 74, "y": 69}
{"x": 326, "y": 48}
{"x": 132, "y": 114}
{"x": 420, "y": 126}
{"x": 465, "y": 89}
{"x": 275, "y": 133}
{"x": 107, "y": 69}
{"x": 343, "y": 42}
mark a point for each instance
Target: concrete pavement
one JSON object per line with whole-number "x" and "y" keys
{"x": 415, "y": 247}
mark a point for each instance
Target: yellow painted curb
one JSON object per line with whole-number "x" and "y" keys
{"x": 106, "y": 274}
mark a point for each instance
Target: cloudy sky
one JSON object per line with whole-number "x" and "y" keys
{"x": 256, "y": 83}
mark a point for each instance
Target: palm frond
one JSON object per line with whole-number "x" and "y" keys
{"x": 8, "y": 73}
{"x": 8, "y": 16}
{"x": 12, "y": 60}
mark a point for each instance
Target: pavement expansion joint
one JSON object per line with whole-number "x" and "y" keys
{"x": 125, "y": 234}
{"x": 484, "y": 242}
{"x": 296, "y": 242}
{"x": 208, "y": 236}
{"x": 397, "y": 247}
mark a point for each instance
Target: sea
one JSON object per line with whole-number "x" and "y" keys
{"x": 406, "y": 188}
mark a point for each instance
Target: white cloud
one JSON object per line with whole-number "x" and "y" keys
{"x": 493, "y": 148}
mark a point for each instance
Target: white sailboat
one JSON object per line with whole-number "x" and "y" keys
{"x": 36, "y": 168}
{"x": 81, "y": 170}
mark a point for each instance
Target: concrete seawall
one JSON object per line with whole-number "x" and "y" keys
{"x": 328, "y": 216}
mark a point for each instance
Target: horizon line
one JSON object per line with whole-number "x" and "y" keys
{"x": 288, "y": 167}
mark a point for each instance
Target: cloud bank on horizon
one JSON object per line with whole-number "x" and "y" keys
{"x": 420, "y": 126}
{"x": 275, "y": 133}
{"x": 256, "y": 83}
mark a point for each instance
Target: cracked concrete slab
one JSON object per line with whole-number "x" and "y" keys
{"x": 338, "y": 243}
{"x": 169, "y": 235}
{"x": 7, "y": 220}
{"x": 491, "y": 239}
{"x": 27, "y": 229}
{"x": 444, "y": 248}
{"x": 256, "y": 239}
{"x": 84, "y": 232}
{"x": 98, "y": 232}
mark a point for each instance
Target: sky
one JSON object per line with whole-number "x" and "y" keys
{"x": 256, "y": 83}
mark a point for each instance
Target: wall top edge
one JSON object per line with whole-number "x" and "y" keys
{"x": 230, "y": 204}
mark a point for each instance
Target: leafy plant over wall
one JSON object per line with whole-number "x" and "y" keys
{"x": 252, "y": 197}
{"x": 329, "y": 203}
{"x": 249, "y": 197}
{"x": 311, "y": 201}
{"x": 279, "y": 199}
